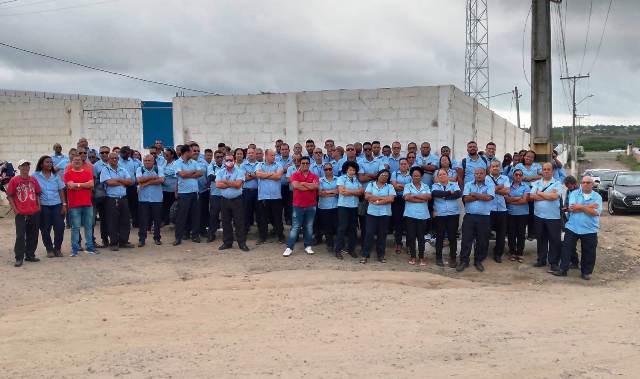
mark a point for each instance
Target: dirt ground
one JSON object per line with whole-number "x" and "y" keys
{"x": 195, "y": 312}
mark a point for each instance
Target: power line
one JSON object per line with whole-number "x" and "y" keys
{"x": 57, "y": 9}
{"x": 586, "y": 38}
{"x": 604, "y": 27}
{"x": 524, "y": 30}
{"x": 104, "y": 70}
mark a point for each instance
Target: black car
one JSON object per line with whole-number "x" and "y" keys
{"x": 624, "y": 194}
{"x": 606, "y": 181}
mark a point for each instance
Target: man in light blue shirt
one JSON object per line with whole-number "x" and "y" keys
{"x": 394, "y": 159}
{"x": 429, "y": 163}
{"x": 116, "y": 180}
{"x": 269, "y": 175}
{"x": 546, "y": 194}
{"x": 250, "y": 189}
{"x": 499, "y": 207}
{"x": 585, "y": 206}
{"x": 478, "y": 202}
{"x": 285, "y": 161}
{"x": 230, "y": 182}
{"x": 57, "y": 156}
{"x": 188, "y": 171}
{"x": 130, "y": 165}
{"x": 470, "y": 163}
{"x": 215, "y": 194}
{"x": 150, "y": 179}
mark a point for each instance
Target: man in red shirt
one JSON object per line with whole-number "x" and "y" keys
{"x": 305, "y": 189}
{"x": 23, "y": 192}
{"x": 79, "y": 182}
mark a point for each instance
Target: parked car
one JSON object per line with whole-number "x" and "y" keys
{"x": 606, "y": 180}
{"x": 624, "y": 193}
{"x": 595, "y": 174}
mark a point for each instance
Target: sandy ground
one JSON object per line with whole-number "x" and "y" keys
{"x": 195, "y": 312}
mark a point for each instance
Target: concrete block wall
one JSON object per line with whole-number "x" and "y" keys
{"x": 31, "y": 122}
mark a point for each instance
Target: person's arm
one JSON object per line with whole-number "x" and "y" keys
{"x": 454, "y": 195}
{"x": 237, "y": 184}
{"x": 63, "y": 198}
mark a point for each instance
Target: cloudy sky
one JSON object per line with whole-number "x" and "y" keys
{"x": 243, "y": 46}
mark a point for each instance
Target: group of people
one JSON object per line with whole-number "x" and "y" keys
{"x": 326, "y": 194}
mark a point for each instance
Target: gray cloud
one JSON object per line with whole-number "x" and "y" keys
{"x": 245, "y": 46}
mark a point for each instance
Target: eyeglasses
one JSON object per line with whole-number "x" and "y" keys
{"x": 228, "y": 160}
{"x": 317, "y": 152}
{"x": 352, "y": 149}
{"x": 517, "y": 174}
{"x": 328, "y": 169}
{"x": 104, "y": 152}
{"x": 82, "y": 152}
{"x": 367, "y": 149}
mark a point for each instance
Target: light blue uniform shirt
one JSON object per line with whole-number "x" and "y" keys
{"x": 160, "y": 161}
{"x": 580, "y": 222}
{"x": 62, "y": 164}
{"x": 479, "y": 207}
{"x": 151, "y": 193}
{"x": 328, "y": 202}
{"x": 250, "y": 168}
{"x": 394, "y": 163}
{"x": 418, "y": 211}
{"x": 269, "y": 189}
{"x": 170, "y": 178}
{"x": 50, "y": 188}
{"x": 187, "y": 185}
{"x": 56, "y": 159}
{"x": 383, "y": 159}
{"x": 235, "y": 174}
{"x": 97, "y": 168}
{"x": 283, "y": 162}
{"x": 443, "y": 207}
{"x": 430, "y": 159}
{"x": 130, "y": 165}
{"x": 214, "y": 170}
{"x": 369, "y": 167}
{"x": 400, "y": 178}
{"x": 547, "y": 209}
{"x": 337, "y": 166}
{"x": 290, "y": 172}
{"x": 534, "y": 170}
{"x": 499, "y": 204}
{"x": 202, "y": 180}
{"x": 518, "y": 209}
{"x": 559, "y": 174}
{"x": 109, "y": 173}
{"x": 317, "y": 169}
{"x": 379, "y": 209}
{"x": 349, "y": 184}
{"x": 471, "y": 166}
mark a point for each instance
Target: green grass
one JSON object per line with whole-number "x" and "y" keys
{"x": 629, "y": 161}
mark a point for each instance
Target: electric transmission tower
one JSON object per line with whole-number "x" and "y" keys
{"x": 476, "y": 64}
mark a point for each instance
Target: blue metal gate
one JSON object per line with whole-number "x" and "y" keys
{"x": 157, "y": 122}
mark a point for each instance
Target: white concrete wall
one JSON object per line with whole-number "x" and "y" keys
{"x": 31, "y": 122}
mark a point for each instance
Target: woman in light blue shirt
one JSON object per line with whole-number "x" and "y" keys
{"x": 399, "y": 179}
{"x": 349, "y": 190}
{"x": 416, "y": 213}
{"x": 452, "y": 173}
{"x": 531, "y": 171}
{"x": 379, "y": 195}
{"x": 169, "y": 187}
{"x": 53, "y": 206}
{"x": 517, "y": 215}
{"x": 447, "y": 215}
{"x": 328, "y": 206}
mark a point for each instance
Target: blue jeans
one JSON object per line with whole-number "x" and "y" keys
{"x": 81, "y": 216}
{"x": 302, "y": 216}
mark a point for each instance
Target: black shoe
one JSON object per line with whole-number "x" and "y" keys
{"x": 261, "y": 242}
{"x": 244, "y": 247}
{"x": 497, "y": 258}
{"x": 225, "y": 246}
{"x": 157, "y": 242}
{"x": 479, "y": 266}
{"x": 559, "y": 272}
{"x": 196, "y": 240}
{"x": 574, "y": 265}
{"x": 177, "y": 242}
{"x": 553, "y": 268}
{"x": 99, "y": 246}
{"x": 461, "y": 266}
{"x": 127, "y": 245}
{"x": 439, "y": 262}
{"x": 452, "y": 263}
{"x": 57, "y": 253}
{"x": 114, "y": 248}
{"x": 32, "y": 259}
{"x": 141, "y": 244}
{"x": 539, "y": 264}
{"x": 18, "y": 263}
{"x": 353, "y": 254}
{"x": 585, "y": 276}
{"x": 211, "y": 237}
{"x": 339, "y": 255}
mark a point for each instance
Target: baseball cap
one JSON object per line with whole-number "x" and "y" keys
{"x": 23, "y": 161}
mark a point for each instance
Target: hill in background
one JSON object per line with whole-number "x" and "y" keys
{"x": 600, "y": 137}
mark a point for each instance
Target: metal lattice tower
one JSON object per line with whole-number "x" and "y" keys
{"x": 476, "y": 62}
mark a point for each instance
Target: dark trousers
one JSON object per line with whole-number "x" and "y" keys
{"x": 499, "y": 224}
{"x": 327, "y": 220}
{"x": 149, "y": 212}
{"x": 397, "y": 222}
{"x": 416, "y": 230}
{"x": 118, "y": 220}
{"x": 588, "y": 247}
{"x": 548, "y": 234}
{"x": 132, "y": 200}
{"x": 167, "y": 201}
{"x": 270, "y": 210}
{"x": 102, "y": 214}
{"x": 203, "y": 205}
{"x": 475, "y": 228}
{"x": 26, "y": 236}
{"x": 531, "y": 221}
{"x": 347, "y": 218}
{"x": 187, "y": 211}
{"x": 376, "y": 229}
{"x": 516, "y": 227}
{"x": 287, "y": 203}
{"x": 232, "y": 209}
{"x": 250, "y": 205}
{"x": 215, "y": 206}
{"x": 51, "y": 217}
{"x": 446, "y": 225}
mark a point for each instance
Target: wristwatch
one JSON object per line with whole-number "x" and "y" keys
{"x": 64, "y": 204}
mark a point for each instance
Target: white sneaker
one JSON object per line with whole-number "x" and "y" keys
{"x": 308, "y": 250}
{"x": 287, "y": 252}
{"x": 427, "y": 237}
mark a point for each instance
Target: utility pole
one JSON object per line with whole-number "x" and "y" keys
{"x": 574, "y": 136}
{"x": 518, "y": 106}
{"x": 541, "y": 95}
